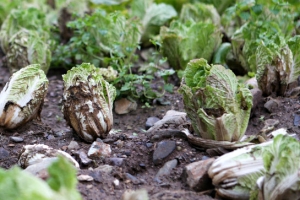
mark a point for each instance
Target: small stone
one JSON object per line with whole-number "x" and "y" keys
{"x": 116, "y": 161}
{"x": 73, "y": 145}
{"x": 105, "y": 169}
{"x": 83, "y": 177}
{"x": 151, "y": 121}
{"x": 3, "y": 153}
{"x": 50, "y": 137}
{"x": 297, "y": 120}
{"x": 83, "y": 157}
{"x": 132, "y": 178}
{"x": 97, "y": 176}
{"x": 140, "y": 194}
{"x": 179, "y": 148}
{"x": 196, "y": 175}
{"x": 163, "y": 150}
{"x": 89, "y": 187}
{"x": 271, "y": 105}
{"x": 116, "y": 182}
{"x": 99, "y": 149}
{"x": 119, "y": 143}
{"x": 166, "y": 169}
{"x": 11, "y": 145}
{"x": 142, "y": 165}
{"x": 16, "y": 139}
{"x": 59, "y": 133}
{"x": 149, "y": 144}
{"x": 124, "y": 106}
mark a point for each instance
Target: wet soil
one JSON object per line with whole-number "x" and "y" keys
{"x": 135, "y": 148}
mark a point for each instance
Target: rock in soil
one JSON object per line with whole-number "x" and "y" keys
{"x": 83, "y": 177}
{"x": 124, "y": 106}
{"x": 271, "y": 105}
{"x": 99, "y": 149}
{"x": 196, "y": 176}
{"x": 151, "y": 121}
{"x": 141, "y": 194}
{"x": 82, "y": 157}
{"x": 3, "y": 153}
{"x": 16, "y": 139}
{"x": 163, "y": 150}
{"x": 166, "y": 169}
{"x": 73, "y": 145}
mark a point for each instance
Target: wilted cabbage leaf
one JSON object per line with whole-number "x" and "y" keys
{"x": 22, "y": 97}
{"x": 16, "y": 184}
{"x": 234, "y": 174}
{"x": 282, "y": 167}
{"x": 184, "y": 42}
{"x": 218, "y": 106}
{"x": 25, "y": 48}
{"x": 88, "y": 102}
{"x": 31, "y": 19}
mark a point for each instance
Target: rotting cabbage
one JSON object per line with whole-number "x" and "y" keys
{"x": 218, "y": 106}
{"x": 273, "y": 166}
{"x": 277, "y": 65}
{"x": 184, "y": 42}
{"x": 30, "y": 18}
{"x": 282, "y": 167}
{"x": 25, "y": 48}
{"x": 88, "y": 102}
{"x": 23, "y": 96}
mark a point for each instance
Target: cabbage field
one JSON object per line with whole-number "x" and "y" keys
{"x": 149, "y": 99}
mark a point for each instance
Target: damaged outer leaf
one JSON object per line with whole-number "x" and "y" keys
{"x": 234, "y": 174}
{"x": 23, "y": 96}
{"x": 25, "y": 48}
{"x": 32, "y": 154}
{"x": 218, "y": 106}
{"x": 282, "y": 166}
{"x": 88, "y": 102}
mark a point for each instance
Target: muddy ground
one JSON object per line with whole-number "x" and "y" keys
{"x": 130, "y": 143}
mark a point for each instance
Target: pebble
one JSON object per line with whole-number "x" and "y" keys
{"x": 140, "y": 194}
{"x": 73, "y": 145}
{"x": 99, "y": 149}
{"x": 16, "y": 139}
{"x": 116, "y": 161}
{"x": 116, "y": 182}
{"x": 166, "y": 169}
{"x": 83, "y": 157}
{"x": 50, "y": 137}
{"x": 196, "y": 175}
{"x": 271, "y": 105}
{"x": 83, "y": 177}
{"x": 149, "y": 144}
{"x": 105, "y": 169}
{"x": 59, "y": 133}
{"x": 124, "y": 106}
{"x": 132, "y": 178}
{"x": 163, "y": 150}
{"x": 151, "y": 121}
{"x": 297, "y": 120}
{"x": 97, "y": 176}
{"x": 3, "y": 153}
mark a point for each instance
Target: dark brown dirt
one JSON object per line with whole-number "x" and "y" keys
{"x": 53, "y": 131}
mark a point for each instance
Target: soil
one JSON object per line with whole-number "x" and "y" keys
{"x": 53, "y": 131}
